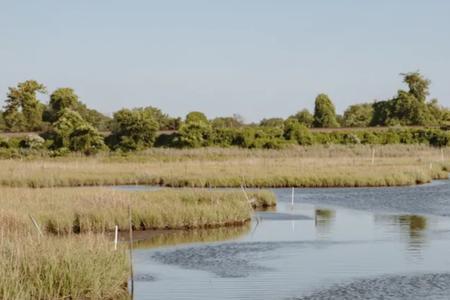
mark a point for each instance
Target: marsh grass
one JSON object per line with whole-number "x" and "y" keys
{"x": 74, "y": 259}
{"x": 84, "y": 210}
{"x": 314, "y": 166}
{"x": 81, "y": 267}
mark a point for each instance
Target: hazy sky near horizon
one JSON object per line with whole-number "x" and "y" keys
{"x": 258, "y": 58}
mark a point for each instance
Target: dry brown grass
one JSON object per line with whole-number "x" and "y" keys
{"x": 85, "y": 210}
{"x": 76, "y": 267}
{"x": 74, "y": 259}
{"x": 315, "y": 166}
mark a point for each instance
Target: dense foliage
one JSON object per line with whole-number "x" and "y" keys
{"x": 133, "y": 129}
{"x": 23, "y": 111}
{"x": 324, "y": 113}
{"x": 68, "y": 125}
{"x": 304, "y": 117}
{"x": 358, "y": 115}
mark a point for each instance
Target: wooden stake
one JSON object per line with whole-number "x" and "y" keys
{"x": 442, "y": 154}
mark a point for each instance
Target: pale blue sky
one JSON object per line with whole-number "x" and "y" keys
{"x": 259, "y": 58}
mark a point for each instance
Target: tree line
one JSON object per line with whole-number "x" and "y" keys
{"x": 67, "y": 125}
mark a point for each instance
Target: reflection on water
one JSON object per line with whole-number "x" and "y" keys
{"x": 324, "y": 219}
{"x": 178, "y": 237}
{"x": 412, "y": 229}
{"x": 332, "y": 244}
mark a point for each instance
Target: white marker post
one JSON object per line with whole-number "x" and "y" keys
{"x": 116, "y": 237}
{"x": 292, "y": 198}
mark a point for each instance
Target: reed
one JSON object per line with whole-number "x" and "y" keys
{"x": 314, "y": 166}
{"x": 75, "y": 267}
{"x": 73, "y": 258}
{"x": 84, "y": 210}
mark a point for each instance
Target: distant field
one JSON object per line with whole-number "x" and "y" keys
{"x": 312, "y": 166}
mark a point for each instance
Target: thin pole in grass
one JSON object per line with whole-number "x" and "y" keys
{"x": 130, "y": 247}
{"x": 373, "y": 156}
{"x": 442, "y": 154}
{"x": 38, "y": 228}
{"x": 249, "y": 203}
{"x": 116, "y": 237}
{"x": 292, "y": 198}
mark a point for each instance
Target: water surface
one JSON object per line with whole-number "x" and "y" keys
{"x": 336, "y": 243}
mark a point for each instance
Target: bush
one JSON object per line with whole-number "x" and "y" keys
{"x": 86, "y": 139}
{"x": 33, "y": 142}
{"x": 195, "y": 134}
{"x": 350, "y": 138}
{"x": 133, "y": 130}
{"x": 3, "y": 143}
{"x": 171, "y": 140}
{"x": 295, "y": 131}
{"x": 439, "y": 138}
{"x": 224, "y": 137}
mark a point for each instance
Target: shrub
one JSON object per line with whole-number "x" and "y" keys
{"x": 295, "y": 131}
{"x": 439, "y": 138}
{"x": 195, "y": 134}
{"x": 33, "y": 142}
{"x": 4, "y": 143}
{"x": 167, "y": 140}
{"x": 133, "y": 130}
{"x": 86, "y": 139}
{"x": 224, "y": 137}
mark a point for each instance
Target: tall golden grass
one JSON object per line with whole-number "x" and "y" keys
{"x": 314, "y": 166}
{"x": 76, "y": 267}
{"x": 81, "y": 210}
{"x": 74, "y": 259}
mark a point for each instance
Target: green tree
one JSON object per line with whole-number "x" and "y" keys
{"x": 66, "y": 124}
{"x": 324, "y": 113}
{"x": 226, "y": 122}
{"x": 66, "y": 98}
{"x": 408, "y": 107}
{"x": 2, "y": 121}
{"x": 86, "y": 139}
{"x": 304, "y": 117}
{"x": 196, "y": 116}
{"x": 133, "y": 129}
{"x": 408, "y": 110}
{"x": 165, "y": 122}
{"x": 382, "y": 112}
{"x": 23, "y": 111}
{"x": 195, "y": 134}
{"x": 359, "y": 115}
{"x": 298, "y": 132}
{"x": 272, "y": 122}
{"x": 418, "y": 85}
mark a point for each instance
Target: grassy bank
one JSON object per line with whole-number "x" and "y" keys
{"x": 74, "y": 259}
{"x": 314, "y": 166}
{"x": 66, "y": 210}
{"x": 82, "y": 267}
